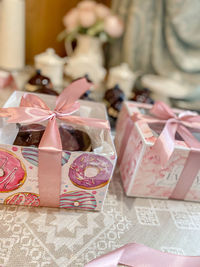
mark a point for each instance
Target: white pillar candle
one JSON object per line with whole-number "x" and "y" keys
{"x": 12, "y": 34}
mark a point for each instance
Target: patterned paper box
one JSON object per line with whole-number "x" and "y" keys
{"x": 141, "y": 172}
{"x": 85, "y": 175}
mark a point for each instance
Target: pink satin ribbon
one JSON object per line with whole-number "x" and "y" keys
{"x": 33, "y": 109}
{"x": 137, "y": 255}
{"x": 128, "y": 128}
{"x": 165, "y": 143}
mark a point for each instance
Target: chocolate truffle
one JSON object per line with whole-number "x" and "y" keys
{"x": 72, "y": 139}
{"x": 113, "y": 99}
{"x": 142, "y": 96}
{"x": 40, "y": 84}
{"x": 29, "y": 135}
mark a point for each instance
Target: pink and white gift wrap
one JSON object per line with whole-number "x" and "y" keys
{"x": 85, "y": 176}
{"x": 142, "y": 173}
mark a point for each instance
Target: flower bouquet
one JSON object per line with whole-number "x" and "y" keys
{"x": 93, "y": 19}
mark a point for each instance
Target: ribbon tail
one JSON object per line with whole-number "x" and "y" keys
{"x": 98, "y": 123}
{"x": 189, "y": 139}
{"x": 111, "y": 259}
{"x": 137, "y": 255}
{"x": 49, "y": 166}
{"x": 164, "y": 145}
{"x": 191, "y": 167}
{"x": 187, "y": 176}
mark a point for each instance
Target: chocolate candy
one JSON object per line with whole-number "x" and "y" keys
{"x": 29, "y": 135}
{"x": 142, "y": 96}
{"x": 113, "y": 99}
{"x": 40, "y": 84}
{"x": 72, "y": 139}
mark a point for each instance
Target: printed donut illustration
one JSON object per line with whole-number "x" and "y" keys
{"x": 12, "y": 171}
{"x": 23, "y": 198}
{"x": 78, "y": 200}
{"x": 89, "y": 171}
{"x": 31, "y": 155}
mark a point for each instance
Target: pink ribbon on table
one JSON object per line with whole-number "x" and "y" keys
{"x": 137, "y": 255}
{"x": 165, "y": 143}
{"x": 33, "y": 109}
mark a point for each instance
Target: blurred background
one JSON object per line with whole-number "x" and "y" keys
{"x": 44, "y": 23}
{"x": 131, "y": 49}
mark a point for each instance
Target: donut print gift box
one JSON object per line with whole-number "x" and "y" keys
{"x": 47, "y": 175}
{"x": 159, "y": 151}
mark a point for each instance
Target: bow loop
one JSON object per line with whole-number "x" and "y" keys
{"x": 68, "y": 111}
{"x": 71, "y": 94}
{"x": 33, "y": 109}
{"x": 31, "y": 100}
{"x": 25, "y": 114}
{"x": 190, "y": 119}
{"x": 162, "y": 111}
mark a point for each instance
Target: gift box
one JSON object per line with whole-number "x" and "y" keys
{"x": 158, "y": 151}
{"x": 48, "y": 175}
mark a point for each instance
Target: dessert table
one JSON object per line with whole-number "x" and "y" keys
{"x": 59, "y": 237}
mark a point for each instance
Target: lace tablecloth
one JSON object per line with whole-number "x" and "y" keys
{"x": 57, "y": 237}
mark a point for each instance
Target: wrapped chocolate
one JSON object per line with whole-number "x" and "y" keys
{"x": 44, "y": 173}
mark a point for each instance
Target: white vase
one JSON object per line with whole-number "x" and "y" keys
{"x": 92, "y": 46}
{"x": 87, "y": 58}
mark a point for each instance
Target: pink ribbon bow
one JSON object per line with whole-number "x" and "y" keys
{"x": 33, "y": 109}
{"x": 137, "y": 255}
{"x": 165, "y": 143}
